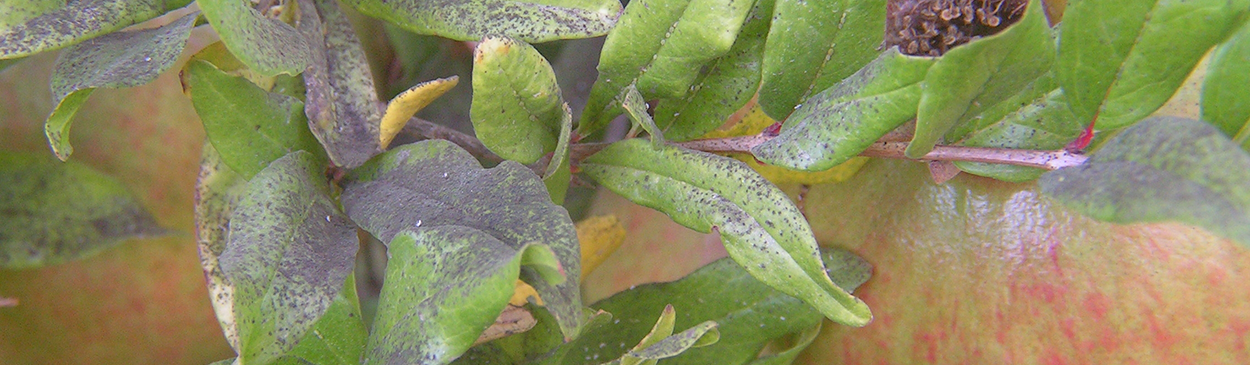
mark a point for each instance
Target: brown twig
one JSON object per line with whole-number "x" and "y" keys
{"x": 420, "y": 129}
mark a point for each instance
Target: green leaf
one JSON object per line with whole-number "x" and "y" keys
{"x": 116, "y": 60}
{"x": 433, "y": 183}
{"x": 445, "y": 284}
{"x": 4, "y": 64}
{"x": 29, "y": 28}
{"x": 217, "y": 192}
{"x": 1225, "y": 102}
{"x": 288, "y": 253}
{"x": 1036, "y": 118}
{"x": 53, "y": 212}
{"x": 728, "y": 83}
{"x": 974, "y": 76}
{"x": 249, "y": 126}
{"x": 787, "y": 356}
{"x": 338, "y": 338}
{"x": 559, "y": 174}
{"x": 813, "y": 45}
{"x": 1162, "y": 169}
{"x": 760, "y": 227}
{"x": 516, "y": 102}
{"x": 750, "y": 314}
{"x": 1120, "y": 60}
{"x": 265, "y": 45}
{"x": 636, "y": 108}
{"x": 842, "y": 121}
{"x": 661, "y": 343}
{"x": 659, "y": 46}
{"x": 341, "y": 104}
{"x": 530, "y": 21}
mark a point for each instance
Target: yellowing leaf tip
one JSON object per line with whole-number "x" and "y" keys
{"x": 408, "y": 103}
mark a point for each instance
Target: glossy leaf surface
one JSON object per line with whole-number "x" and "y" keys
{"x": 840, "y": 122}
{"x": 659, "y": 47}
{"x": 1162, "y": 169}
{"x": 288, "y": 252}
{"x": 1120, "y": 60}
{"x": 760, "y": 227}
{"x": 341, "y": 103}
{"x": 467, "y": 20}
{"x": 444, "y": 285}
{"x": 264, "y": 44}
{"x": 27, "y": 28}
{"x": 974, "y": 76}
{"x": 516, "y": 108}
{"x": 1225, "y": 102}
{"x": 813, "y": 45}
{"x": 53, "y": 212}
{"x": 117, "y": 60}
{"x": 433, "y": 183}
{"x": 729, "y": 82}
{"x": 247, "y": 125}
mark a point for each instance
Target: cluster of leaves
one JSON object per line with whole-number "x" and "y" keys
{"x": 287, "y": 95}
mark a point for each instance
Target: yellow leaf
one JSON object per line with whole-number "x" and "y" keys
{"x": 599, "y": 237}
{"x": 408, "y": 103}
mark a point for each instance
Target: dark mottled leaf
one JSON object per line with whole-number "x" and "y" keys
{"x": 341, "y": 104}
{"x": 1162, "y": 169}
{"x": 813, "y": 45}
{"x": 760, "y": 227}
{"x": 217, "y": 192}
{"x": 728, "y": 83}
{"x": 288, "y": 253}
{"x": 1225, "y": 100}
{"x": 249, "y": 126}
{"x": 516, "y": 102}
{"x": 434, "y": 183}
{"x": 445, "y": 284}
{"x": 972, "y": 77}
{"x": 265, "y": 45}
{"x": 842, "y": 121}
{"x": 465, "y": 20}
{"x": 659, "y": 46}
{"x": 1036, "y": 118}
{"x": 53, "y": 212}
{"x": 27, "y": 28}
{"x": 338, "y": 338}
{"x": 116, "y": 60}
{"x": 1121, "y": 60}
{"x": 749, "y": 314}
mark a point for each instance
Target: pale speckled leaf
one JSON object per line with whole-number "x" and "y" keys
{"x": 813, "y": 45}
{"x": 636, "y": 108}
{"x": 1162, "y": 169}
{"x": 749, "y": 313}
{"x": 288, "y": 253}
{"x": 728, "y": 83}
{"x": 53, "y": 212}
{"x": 21, "y": 11}
{"x": 700, "y": 335}
{"x": 532, "y": 21}
{"x": 267, "y": 46}
{"x": 559, "y": 173}
{"x": 247, "y": 125}
{"x": 117, "y": 60}
{"x": 230, "y": 361}
{"x": 842, "y": 121}
{"x": 434, "y": 182}
{"x": 760, "y": 227}
{"x": 516, "y": 109}
{"x": 28, "y": 30}
{"x": 445, "y": 284}
{"x": 1225, "y": 101}
{"x": 338, "y": 338}
{"x": 217, "y": 192}
{"x": 1036, "y": 118}
{"x": 1120, "y": 60}
{"x": 341, "y": 104}
{"x": 980, "y": 74}
{"x": 659, "y": 47}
